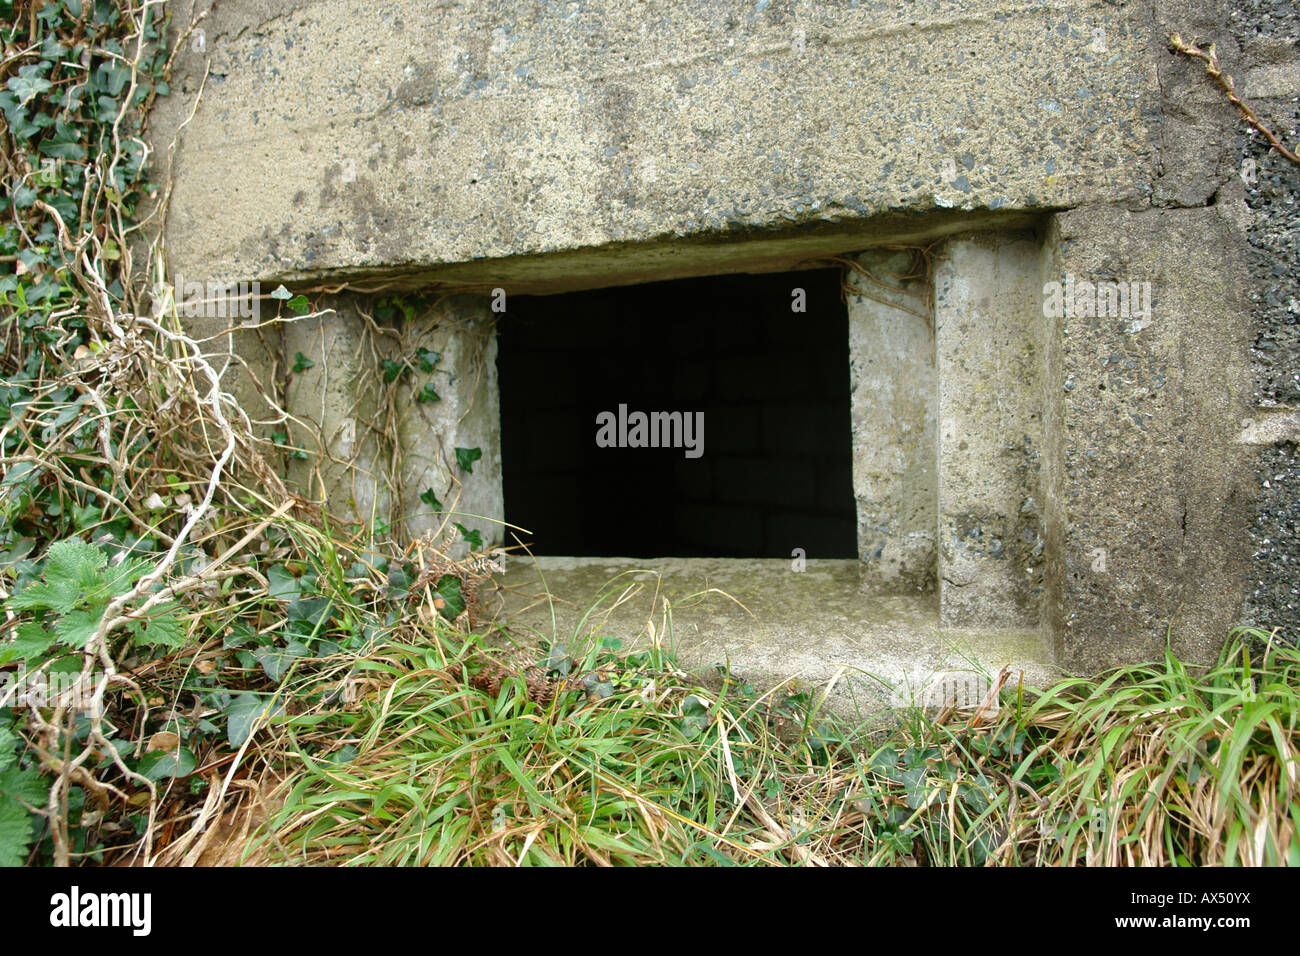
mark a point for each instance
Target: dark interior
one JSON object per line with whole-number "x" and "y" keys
{"x": 773, "y": 384}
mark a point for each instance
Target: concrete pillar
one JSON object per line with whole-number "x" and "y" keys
{"x": 337, "y": 404}
{"x": 987, "y": 328}
{"x": 466, "y": 414}
{"x": 1148, "y": 491}
{"x": 891, "y": 361}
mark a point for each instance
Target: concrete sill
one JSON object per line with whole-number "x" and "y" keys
{"x": 771, "y": 624}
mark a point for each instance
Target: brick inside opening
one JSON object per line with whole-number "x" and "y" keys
{"x": 773, "y": 385}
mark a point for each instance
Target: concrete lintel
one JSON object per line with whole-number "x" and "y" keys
{"x": 427, "y": 135}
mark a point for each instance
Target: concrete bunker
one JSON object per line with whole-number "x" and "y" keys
{"x": 971, "y": 526}
{"x": 1047, "y": 489}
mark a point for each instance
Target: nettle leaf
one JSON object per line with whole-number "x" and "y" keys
{"x": 117, "y": 579}
{"x": 74, "y": 559}
{"x": 164, "y": 629}
{"x": 449, "y": 590}
{"x": 25, "y": 784}
{"x": 15, "y": 833}
{"x": 60, "y": 595}
{"x": 465, "y": 457}
{"x": 32, "y": 640}
{"x": 8, "y": 741}
{"x": 76, "y": 628}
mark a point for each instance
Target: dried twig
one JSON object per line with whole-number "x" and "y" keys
{"x": 1211, "y": 60}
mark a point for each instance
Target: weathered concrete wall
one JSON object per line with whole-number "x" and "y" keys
{"x": 338, "y": 422}
{"x": 542, "y": 147}
{"x": 467, "y": 414}
{"x": 382, "y": 409}
{"x": 1150, "y": 495}
{"x": 990, "y": 432}
{"x": 892, "y": 375}
{"x": 1264, "y": 35}
{"x": 424, "y": 137}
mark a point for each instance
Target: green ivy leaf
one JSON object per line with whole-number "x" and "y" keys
{"x": 239, "y": 635}
{"x": 593, "y": 686}
{"x": 427, "y": 359}
{"x": 299, "y": 304}
{"x": 64, "y": 143}
{"x": 28, "y": 84}
{"x": 281, "y": 293}
{"x": 558, "y": 659}
{"x": 111, "y": 77}
{"x": 449, "y": 590}
{"x": 427, "y": 394}
{"x": 282, "y": 585}
{"x": 245, "y": 715}
{"x": 474, "y": 538}
{"x": 392, "y": 370}
{"x": 465, "y": 457}
{"x": 311, "y": 611}
{"x": 161, "y": 764}
{"x": 277, "y": 661}
{"x": 301, "y": 363}
{"x": 430, "y": 499}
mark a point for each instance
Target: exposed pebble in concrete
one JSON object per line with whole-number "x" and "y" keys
{"x": 1268, "y": 34}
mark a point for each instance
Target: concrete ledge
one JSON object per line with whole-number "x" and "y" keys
{"x": 767, "y": 621}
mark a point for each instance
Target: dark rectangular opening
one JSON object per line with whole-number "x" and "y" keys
{"x": 774, "y": 472}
